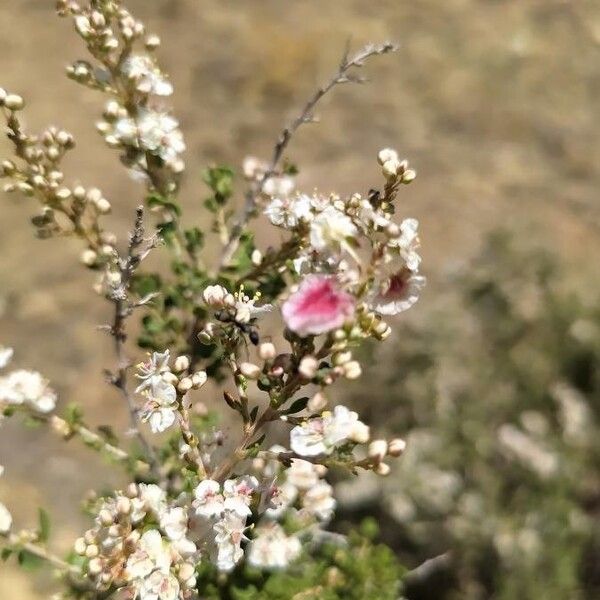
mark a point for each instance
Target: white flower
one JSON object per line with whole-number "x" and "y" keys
{"x": 289, "y": 212}
{"x": 214, "y": 295}
{"x": 146, "y": 75}
{"x": 151, "y": 371}
{"x": 319, "y": 501}
{"x": 401, "y": 292}
{"x": 150, "y": 555}
{"x": 153, "y": 497}
{"x": 173, "y": 521}
{"x": 160, "y": 134}
{"x": 209, "y": 501}
{"x": 302, "y": 474}
{"x": 370, "y": 216}
{"x": 331, "y": 229}
{"x": 238, "y": 494}
{"x": 229, "y": 536}
{"x": 159, "y": 586}
{"x": 27, "y": 387}
{"x": 279, "y": 186}
{"x": 246, "y": 309}
{"x": 5, "y": 356}
{"x": 271, "y": 548}
{"x": 282, "y": 498}
{"x": 160, "y": 407}
{"x": 125, "y": 130}
{"x": 408, "y": 243}
{"x": 321, "y": 435}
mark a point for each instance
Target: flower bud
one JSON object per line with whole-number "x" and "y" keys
{"x": 214, "y": 295}
{"x": 390, "y": 169}
{"x": 14, "y": 102}
{"x": 88, "y": 257}
{"x": 182, "y": 363}
{"x": 170, "y": 377}
{"x": 267, "y": 351}
{"x": 360, "y": 433}
{"x": 92, "y": 551}
{"x": 256, "y": 257}
{"x": 185, "y": 385}
{"x": 378, "y": 450}
{"x": 95, "y": 566}
{"x": 396, "y": 447}
{"x": 199, "y": 379}
{"x": 387, "y": 154}
{"x": 80, "y": 546}
{"x": 250, "y": 370}
{"x": 105, "y": 517}
{"x": 308, "y": 367}
{"x": 317, "y": 403}
{"x": 409, "y": 175}
{"x": 341, "y": 358}
{"x": 124, "y": 505}
{"x": 152, "y": 42}
{"x": 352, "y": 369}
{"x": 382, "y": 469}
{"x": 103, "y": 206}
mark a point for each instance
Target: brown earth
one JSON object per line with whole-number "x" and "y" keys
{"x": 495, "y": 103}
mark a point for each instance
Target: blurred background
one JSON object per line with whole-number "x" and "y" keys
{"x": 493, "y": 377}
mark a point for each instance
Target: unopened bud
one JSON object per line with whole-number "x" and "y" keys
{"x": 124, "y": 505}
{"x": 317, "y": 403}
{"x": 250, "y": 370}
{"x": 95, "y": 566}
{"x": 92, "y": 551}
{"x": 182, "y": 363}
{"x": 360, "y": 433}
{"x": 390, "y": 169}
{"x": 308, "y": 367}
{"x": 382, "y": 469}
{"x": 378, "y": 450}
{"x": 396, "y": 447}
{"x": 80, "y": 546}
{"x": 387, "y": 154}
{"x": 105, "y": 517}
{"x": 185, "y": 385}
{"x": 14, "y": 102}
{"x": 352, "y": 369}
{"x": 88, "y": 257}
{"x": 267, "y": 351}
{"x": 199, "y": 379}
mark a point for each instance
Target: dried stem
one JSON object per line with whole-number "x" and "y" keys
{"x": 122, "y": 310}
{"x": 342, "y": 75}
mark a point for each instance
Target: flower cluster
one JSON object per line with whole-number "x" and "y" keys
{"x": 206, "y": 498}
{"x": 164, "y": 390}
{"x": 24, "y": 388}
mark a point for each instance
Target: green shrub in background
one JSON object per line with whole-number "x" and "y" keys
{"x": 499, "y": 388}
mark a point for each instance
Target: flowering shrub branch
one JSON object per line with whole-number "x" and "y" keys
{"x": 202, "y": 505}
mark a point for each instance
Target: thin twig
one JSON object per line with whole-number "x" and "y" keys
{"x": 122, "y": 310}
{"x": 342, "y": 75}
{"x": 41, "y": 552}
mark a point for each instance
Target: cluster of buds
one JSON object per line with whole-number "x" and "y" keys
{"x": 165, "y": 389}
{"x": 149, "y": 137}
{"x": 139, "y": 544}
{"x": 393, "y": 169}
{"x": 65, "y": 210}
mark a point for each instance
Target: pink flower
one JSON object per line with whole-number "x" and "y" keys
{"x": 318, "y": 306}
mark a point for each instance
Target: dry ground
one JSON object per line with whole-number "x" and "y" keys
{"x": 494, "y": 102}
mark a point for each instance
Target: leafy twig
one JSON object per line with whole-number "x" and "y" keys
{"x": 342, "y": 75}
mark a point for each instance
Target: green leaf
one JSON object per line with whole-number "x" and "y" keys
{"x": 44, "y": 521}
{"x": 297, "y": 406}
{"x": 29, "y": 561}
